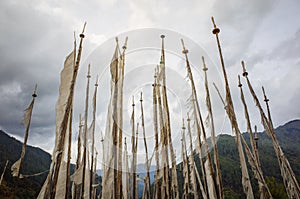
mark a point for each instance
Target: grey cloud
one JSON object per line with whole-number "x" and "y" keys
{"x": 37, "y": 35}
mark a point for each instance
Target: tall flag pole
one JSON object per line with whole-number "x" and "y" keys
{"x": 94, "y": 191}
{"x": 110, "y": 177}
{"x": 133, "y": 164}
{"x": 16, "y": 167}
{"x": 267, "y": 105}
{"x": 208, "y": 171}
{"x": 119, "y": 146}
{"x": 103, "y": 165}
{"x": 85, "y": 135}
{"x": 255, "y": 163}
{"x": 231, "y": 114}
{"x": 163, "y": 139}
{"x": 186, "y": 175}
{"x": 68, "y": 184}
{"x": 63, "y": 111}
{"x": 146, "y": 149}
{"x": 289, "y": 180}
{"x": 193, "y": 99}
{"x": 2, "y": 175}
{"x": 256, "y": 138}
{"x": 126, "y": 172}
{"x": 92, "y": 180}
{"x": 192, "y": 161}
{"x": 213, "y": 135}
{"x": 174, "y": 181}
{"x": 135, "y": 161}
{"x": 155, "y": 122}
{"x": 75, "y": 186}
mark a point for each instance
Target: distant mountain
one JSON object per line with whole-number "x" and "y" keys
{"x": 288, "y": 135}
{"x": 36, "y": 160}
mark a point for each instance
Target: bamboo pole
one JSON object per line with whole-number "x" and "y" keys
{"x": 135, "y": 161}
{"x": 92, "y": 181}
{"x": 69, "y": 155}
{"x": 165, "y": 156}
{"x": 146, "y": 148}
{"x": 210, "y": 190}
{"x": 186, "y": 175}
{"x": 155, "y": 122}
{"x": 34, "y": 95}
{"x": 192, "y": 161}
{"x": 231, "y": 114}
{"x": 213, "y": 135}
{"x": 85, "y": 131}
{"x": 290, "y": 182}
{"x": 120, "y": 117}
{"x": 133, "y": 144}
{"x": 263, "y": 187}
{"x": 53, "y": 174}
{"x": 1, "y": 179}
{"x": 174, "y": 186}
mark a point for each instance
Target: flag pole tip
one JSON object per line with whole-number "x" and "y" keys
{"x": 133, "y": 100}
{"x": 96, "y": 84}
{"x": 240, "y": 84}
{"x": 265, "y": 96}
{"x": 82, "y": 35}
{"x": 162, "y": 36}
{"x": 245, "y": 73}
{"x": 204, "y": 65}
{"x": 34, "y": 92}
{"x": 215, "y": 30}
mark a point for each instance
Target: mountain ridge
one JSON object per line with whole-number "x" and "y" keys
{"x": 288, "y": 136}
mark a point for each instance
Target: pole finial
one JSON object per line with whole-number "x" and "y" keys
{"x": 141, "y": 99}
{"x": 184, "y": 51}
{"x": 256, "y": 134}
{"x": 183, "y": 126}
{"x": 215, "y": 30}
{"x": 89, "y": 71}
{"x": 96, "y": 84}
{"x": 204, "y": 65}
{"x": 265, "y": 96}
{"x": 82, "y": 33}
{"x": 188, "y": 117}
{"x": 34, "y": 92}
{"x": 239, "y": 84}
{"x": 133, "y": 100}
{"x": 245, "y": 73}
{"x": 125, "y": 44}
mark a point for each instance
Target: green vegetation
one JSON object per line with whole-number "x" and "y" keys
{"x": 288, "y": 135}
{"x": 35, "y": 161}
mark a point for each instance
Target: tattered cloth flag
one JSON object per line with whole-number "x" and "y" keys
{"x": 15, "y": 168}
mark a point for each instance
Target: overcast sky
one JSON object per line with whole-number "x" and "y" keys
{"x": 37, "y": 35}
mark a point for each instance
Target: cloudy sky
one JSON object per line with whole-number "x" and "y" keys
{"x": 37, "y": 35}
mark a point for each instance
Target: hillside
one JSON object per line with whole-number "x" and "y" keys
{"x": 288, "y": 135}
{"x": 35, "y": 161}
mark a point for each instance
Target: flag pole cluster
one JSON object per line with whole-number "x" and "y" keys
{"x": 120, "y": 174}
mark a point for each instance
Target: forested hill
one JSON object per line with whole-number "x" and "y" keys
{"x": 36, "y": 160}
{"x": 288, "y": 135}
